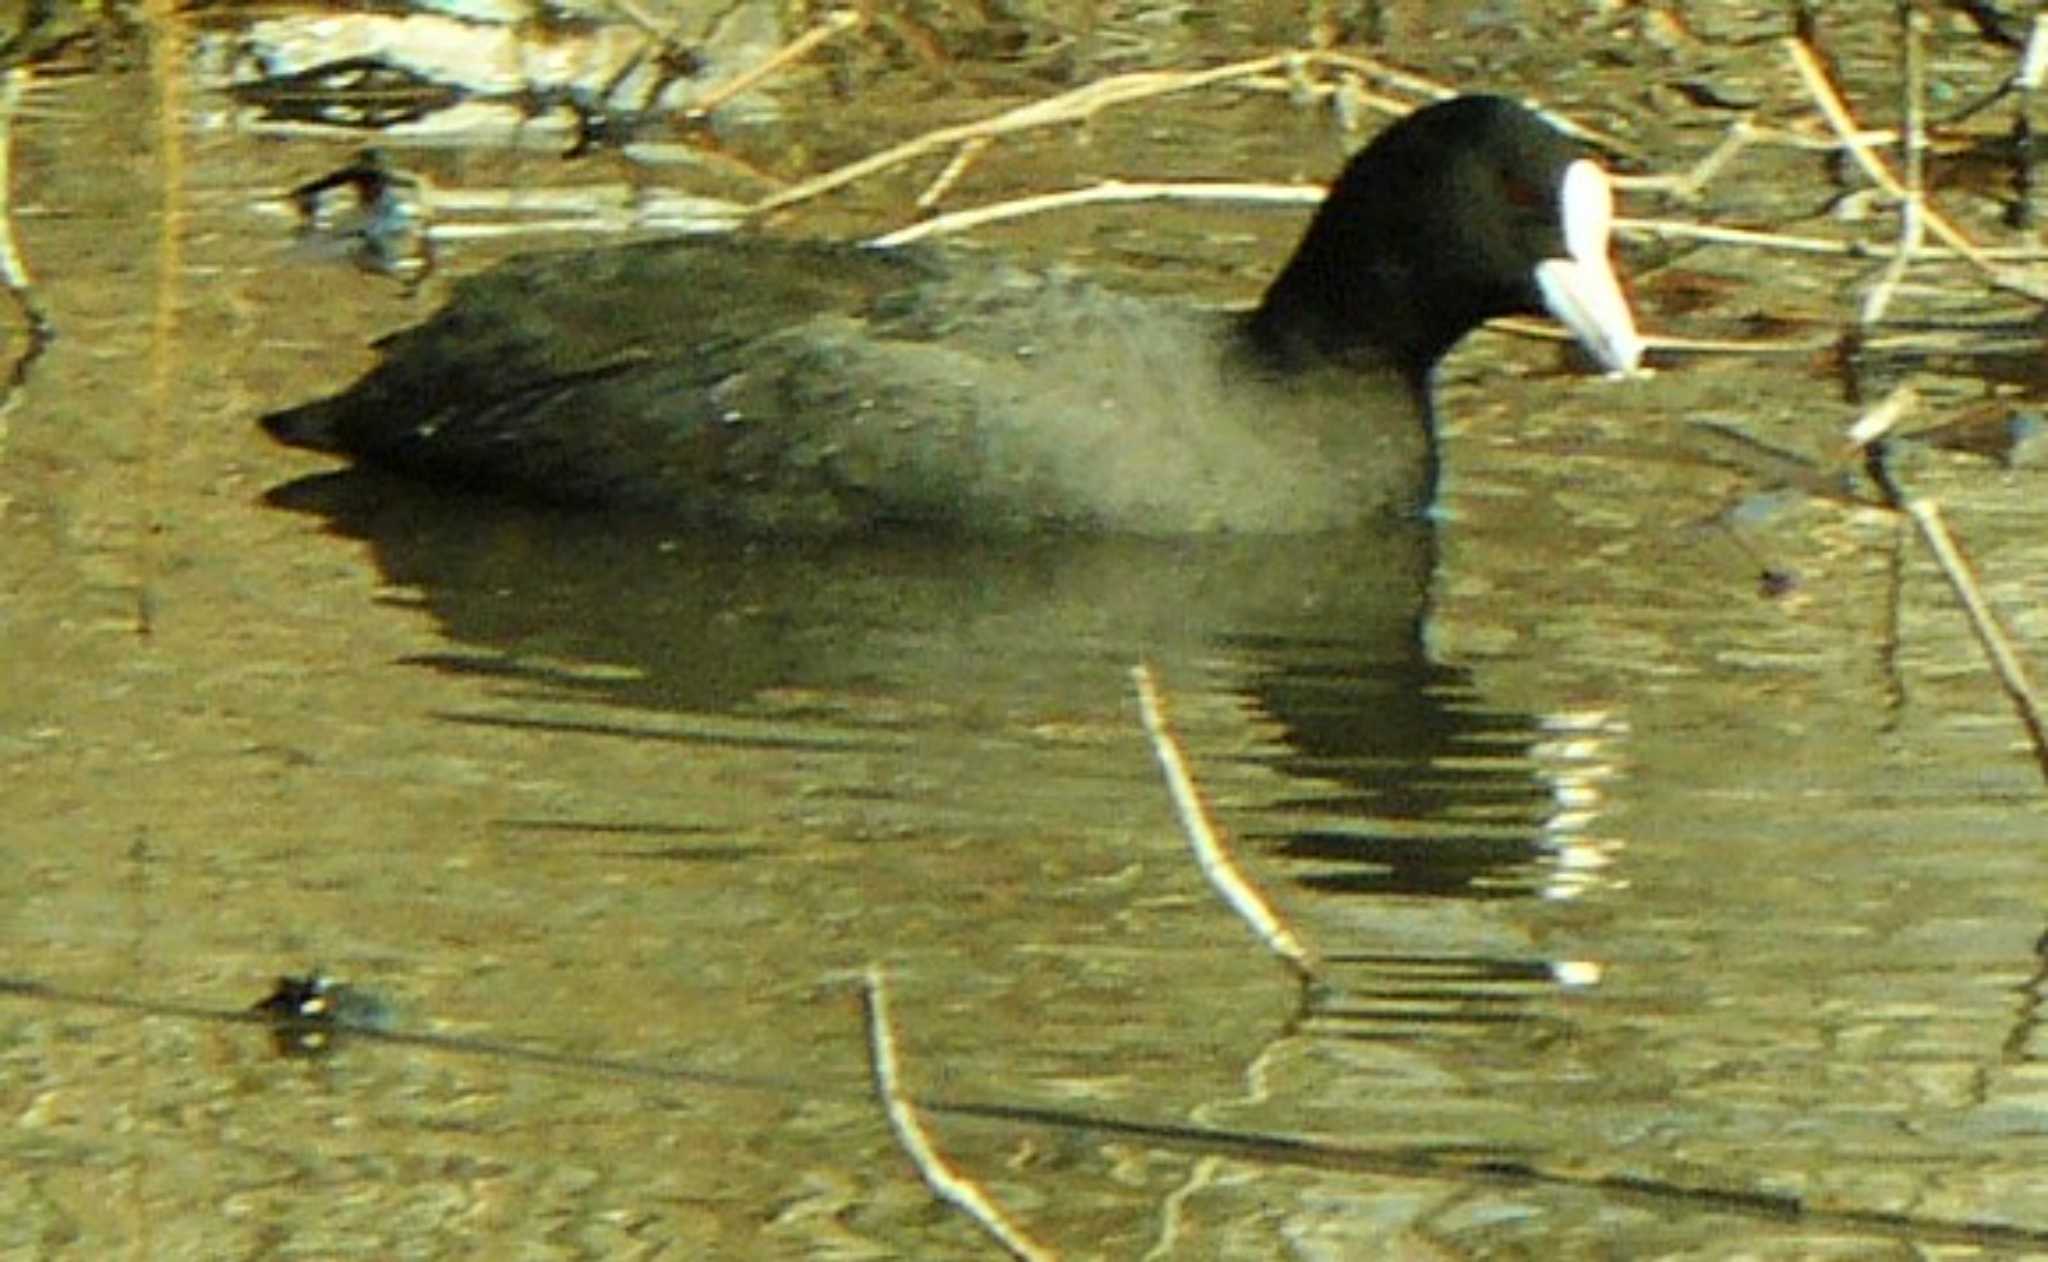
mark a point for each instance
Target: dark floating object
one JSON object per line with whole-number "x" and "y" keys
{"x": 793, "y": 387}
{"x": 309, "y": 1014}
{"x": 1774, "y": 583}
{"x": 362, "y": 93}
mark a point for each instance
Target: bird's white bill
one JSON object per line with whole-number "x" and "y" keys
{"x": 1582, "y": 291}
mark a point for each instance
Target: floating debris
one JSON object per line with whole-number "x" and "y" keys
{"x": 309, "y": 1014}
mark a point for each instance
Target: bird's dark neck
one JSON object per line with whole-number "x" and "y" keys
{"x": 1292, "y": 335}
{"x": 1318, "y": 313}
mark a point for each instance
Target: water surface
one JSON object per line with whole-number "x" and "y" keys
{"x": 1653, "y": 906}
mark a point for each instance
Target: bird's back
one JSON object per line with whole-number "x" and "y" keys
{"x": 812, "y": 387}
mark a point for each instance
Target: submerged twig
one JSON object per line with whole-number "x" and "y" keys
{"x": 1991, "y": 637}
{"x": 13, "y": 272}
{"x": 915, "y": 1141}
{"x": 1437, "y": 1162}
{"x": 1868, "y": 434}
{"x": 1912, "y": 159}
{"x": 1211, "y": 853}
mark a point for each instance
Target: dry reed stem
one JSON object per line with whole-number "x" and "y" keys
{"x": 1212, "y": 854}
{"x": 1679, "y": 229}
{"x": 911, "y": 1136}
{"x": 1377, "y": 71}
{"x": 13, "y": 271}
{"x": 1352, "y": 96}
{"x": 1884, "y": 417}
{"x": 1687, "y": 185}
{"x": 1437, "y": 91}
{"x": 1998, "y": 648}
{"x": 1991, "y": 637}
{"x": 1541, "y": 330}
{"x": 2025, "y": 82}
{"x": 1912, "y": 155}
{"x": 1068, "y": 107}
{"x": 831, "y": 26}
{"x": 1115, "y": 192}
{"x": 1110, "y": 191}
{"x": 2034, "y": 61}
{"x": 962, "y": 162}
{"x": 1086, "y": 101}
{"x": 1838, "y": 117}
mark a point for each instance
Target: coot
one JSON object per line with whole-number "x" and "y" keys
{"x": 788, "y": 386}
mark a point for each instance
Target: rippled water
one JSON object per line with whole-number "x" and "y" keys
{"x": 1659, "y": 915}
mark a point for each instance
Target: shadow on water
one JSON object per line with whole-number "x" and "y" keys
{"x": 1371, "y": 783}
{"x": 1317, "y": 642}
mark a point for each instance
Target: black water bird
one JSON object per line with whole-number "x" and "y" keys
{"x": 802, "y": 387}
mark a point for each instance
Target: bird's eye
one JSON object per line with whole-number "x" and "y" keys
{"x": 1522, "y": 193}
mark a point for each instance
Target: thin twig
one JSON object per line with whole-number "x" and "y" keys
{"x": 1687, "y": 185}
{"x": 1418, "y": 1159}
{"x": 1912, "y": 159}
{"x": 832, "y": 25}
{"x": 1348, "y": 98}
{"x": 916, "y": 1142}
{"x": 1997, "y": 646}
{"x": 963, "y": 161}
{"x": 1211, "y": 852}
{"x": 1067, "y": 107}
{"x": 1838, "y": 117}
{"x": 1116, "y": 191}
{"x": 1109, "y": 191}
{"x": 13, "y": 272}
{"x": 2034, "y": 61}
{"x": 1884, "y": 416}
{"x": 1438, "y": 91}
{"x": 1090, "y": 99}
{"x": 2024, "y": 84}
{"x": 1375, "y": 71}
{"x": 1547, "y": 331}
{"x": 1113, "y": 192}
{"x": 1678, "y": 229}
{"x": 461, "y": 214}
{"x": 1913, "y": 96}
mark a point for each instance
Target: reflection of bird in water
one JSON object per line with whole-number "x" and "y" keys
{"x": 372, "y": 213}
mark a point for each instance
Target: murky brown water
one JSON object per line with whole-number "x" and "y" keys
{"x": 597, "y": 793}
